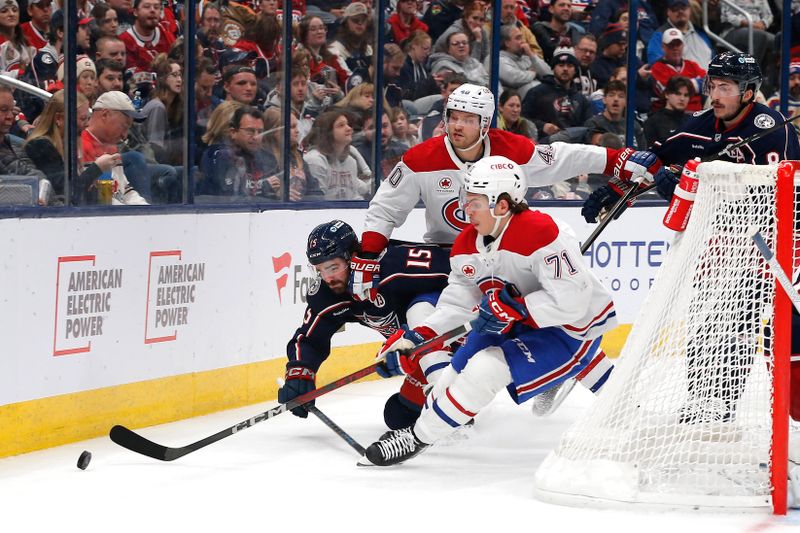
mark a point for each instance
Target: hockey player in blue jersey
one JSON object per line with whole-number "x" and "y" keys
{"x": 731, "y": 84}
{"x": 413, "y": 276}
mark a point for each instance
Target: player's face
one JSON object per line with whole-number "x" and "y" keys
{"x": 458, "y": 46}
{"x": 794, "y": 85}
{"x": 511, "y": 110}
{"x": 109, "y": 80}
{"x": 476, "y": 208}
{"x": 242, "y": 87}
{"x": 248, "y": 135}
{"x": 725, "y": 98}
{"x": 678, "y": 100}
{"x": 464, "y": 128}
{"x": 335, "y": 273}
{"x": 615, "y": 102}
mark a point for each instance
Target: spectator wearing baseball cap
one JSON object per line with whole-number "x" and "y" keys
{"x": 556, "y": 105}
{"x": 36, "y": 28}
{"x": 84, "y": 36}
{"x": 351, "y": 46}
{"x": 671, "y": 64}
{"x": 697, "y": 45}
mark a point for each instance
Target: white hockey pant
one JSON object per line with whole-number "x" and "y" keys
{"x": 457, "y": 398}
{"x": 433, "y": 363}
{"x": 596, "y": 373}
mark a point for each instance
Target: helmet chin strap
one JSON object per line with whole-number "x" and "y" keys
{"x": 497, "y": 220}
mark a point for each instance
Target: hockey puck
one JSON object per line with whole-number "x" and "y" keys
{"x": 84, "y": 459}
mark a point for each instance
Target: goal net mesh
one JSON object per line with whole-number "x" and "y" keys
{"x": 685, "y": 419}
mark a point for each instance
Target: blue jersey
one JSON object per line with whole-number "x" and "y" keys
{"x": 409, "y": 273}
{"x": 704, "y": 136}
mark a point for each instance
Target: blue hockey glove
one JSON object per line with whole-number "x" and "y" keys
{"x": 666, "y": 180}
{"x": 299, "y": 380}
{"x": 499, "y": 310}
{"x": 395, "y": 361}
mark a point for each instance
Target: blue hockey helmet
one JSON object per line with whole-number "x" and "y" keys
{"x": 331, "y": 240}
{"x": 736, "y": 66}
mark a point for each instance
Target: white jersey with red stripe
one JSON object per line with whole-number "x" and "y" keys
{"x": 433, "y": 173}
{"x": 540, "y": 255}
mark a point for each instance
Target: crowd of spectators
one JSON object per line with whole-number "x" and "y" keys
{"x": 562, "y": 69}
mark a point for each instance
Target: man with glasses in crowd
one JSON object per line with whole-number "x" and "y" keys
{"x": 586, "y": 52}
{"x": 242, "y": 168}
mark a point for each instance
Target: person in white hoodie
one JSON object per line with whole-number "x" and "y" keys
{"x": 456, "y": 58}
{"x": 338, "y": 167}
{"x": 520, "y": 67}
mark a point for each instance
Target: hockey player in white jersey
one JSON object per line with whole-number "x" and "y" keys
{"x": 433, "y": 172}
{"x": 541, "y": 311}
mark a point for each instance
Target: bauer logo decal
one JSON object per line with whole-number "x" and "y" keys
{"x": 546, "y": 153}
{"x": 395, "y": 177}
{"x": 468, "y": 270}
{"x": 764, "y": 121}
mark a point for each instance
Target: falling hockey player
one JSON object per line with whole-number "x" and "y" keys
{"x": 541, "y": 312}
{"x": 414, "y": 277}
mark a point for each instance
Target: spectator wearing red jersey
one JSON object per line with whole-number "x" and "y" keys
{"x": 674, "y": 64}
{"x": 146, "y": 38}
{"x": 35, "y": 30}
{"x": 313, "y": 36}
{"x": 15, "y": 53}
{"x": 404, "y": 22}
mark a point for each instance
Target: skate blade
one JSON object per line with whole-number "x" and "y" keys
{"x": 363, "y": 461}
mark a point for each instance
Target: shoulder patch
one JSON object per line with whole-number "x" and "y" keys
{"x": 395, "y": 177}
{"x": 313, "y": 288}
{"x": 465, "y": 242}
{"x": 517, "y": 148}
{"x": 429, "y": 156}
{"x": 764, "y": 121}
{"x": 546, "y": 152}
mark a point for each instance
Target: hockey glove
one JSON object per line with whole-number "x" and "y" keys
{"x": 666, "y": 180}
{"x": 498, "y": 312}
{"x": 299, "y": 380}
{"x": 605, "y": 197}
{"x": 393, "y": 355}
{"x": 365, "y": 274}
{"x": 628, "y": 163}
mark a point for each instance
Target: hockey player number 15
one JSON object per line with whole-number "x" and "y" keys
{"x": 419, "y": 258}
{"x": 557, "y": 259}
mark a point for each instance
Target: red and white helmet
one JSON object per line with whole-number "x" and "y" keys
{"x": 494, "y": 175}
{"x": 474, "y": 99}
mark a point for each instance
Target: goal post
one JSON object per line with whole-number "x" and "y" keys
{"x": 696, "y": 412}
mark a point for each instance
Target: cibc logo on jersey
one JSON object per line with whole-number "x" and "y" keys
{"x": 454, "y": 215}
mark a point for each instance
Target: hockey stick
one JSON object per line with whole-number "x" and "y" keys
{"x": 136, "y": 443}
{"x": 777, "y": 271}
{"x": 336, "y": 429}
{"x": 724, "y": 151}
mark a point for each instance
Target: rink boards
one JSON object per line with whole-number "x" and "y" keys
{"x": 142, "y": 320}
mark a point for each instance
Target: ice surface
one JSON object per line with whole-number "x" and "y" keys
{"x": 291, "y": 475}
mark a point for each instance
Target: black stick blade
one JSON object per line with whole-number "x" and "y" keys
{"x": 136, "y": 443}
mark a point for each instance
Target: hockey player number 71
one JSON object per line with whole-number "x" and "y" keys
{"x": 557, "y": 259}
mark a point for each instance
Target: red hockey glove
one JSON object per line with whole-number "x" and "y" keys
{"x": 628, "y": 163}
{"x": 393, "y": 355}
{"x": 365, "y": 275}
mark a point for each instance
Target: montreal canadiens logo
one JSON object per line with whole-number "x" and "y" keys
{"x": 445, "y": 184}
{"x": 764, "y": 121}
{"x": 454, "y": 215}
{"x": 468, "y": 270}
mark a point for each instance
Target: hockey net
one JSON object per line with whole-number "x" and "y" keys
{"x": 687, "y": 417}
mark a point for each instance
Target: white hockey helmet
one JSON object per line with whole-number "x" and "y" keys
{"x": 494, "y": 175}
{"x": 475, "y": 99}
